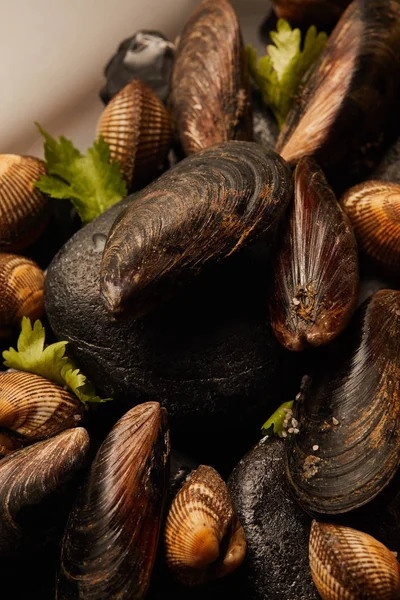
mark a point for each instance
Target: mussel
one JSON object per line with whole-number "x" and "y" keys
{"x": 210, "y": 88}
{"x": 373, "y": 208}
{"x": 21, "y": 291}
{"x": 23, "y": 209}
{"x": 348, "y": 448}
{"x": 33, "y": 481}
{"x": 203, "y": 537}
{"x": 137, "y": 127}
{"x": 346, "y": 111}
{"x": 33, "y": 408}
{"x": 323, "y": 13}
{"x": 346, "y": 563}
{"x": 314, "y": 290}
{"x": 111, "y": 538}
{"x": 200, "y": 212}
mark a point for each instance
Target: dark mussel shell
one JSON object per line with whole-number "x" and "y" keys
{"x": 112, "y": 534}
{"x": 348, "y": 448}
{"x": 346, "y": 111}
{"x": 28, "y": 478}
{"x": 322, "y": 13}
{"x": 210, "y": 88}
{"x": 23, "y": 209}
{"x": 201, "y": 211}
{"x": 314, "y": 291}
{"x": 373, "y": 208}
{"x": 148, "y": 56}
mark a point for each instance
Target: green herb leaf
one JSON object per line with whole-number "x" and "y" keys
{"x": 48, "y": 361}
{"x": 91, "y": 182}
{"x": 280, "y": 72}
{"x": 275, "y": 422}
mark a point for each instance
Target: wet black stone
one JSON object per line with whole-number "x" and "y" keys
{"x": 265, "y": 126}
{"x": 277, "y": 530}
{"x": 389, "y": 168}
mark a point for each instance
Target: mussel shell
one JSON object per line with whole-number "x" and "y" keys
{"x": 203, "y": 210}
{"x": 28, "y": 479}
{"x": 21, "y": 291}
{"x": 203, "y": 537}
{"x": 210, "y": 88}
{"x": 346, "y": 112}
{"x": 137, "y": 127}
{"x": 112, "y": 534}
{"x": 348, "y": 448}
{"x": 34, "y": 408}
{"x": 346, "y": 563}
{"x": 23, "y": 209}
{"x": 373, "y": 208}
{"x": 310, "y": 12}
{"x": 314, "y": 291}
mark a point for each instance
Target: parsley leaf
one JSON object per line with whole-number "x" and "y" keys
{"x": 91, "y": 182}
{"x": 275, "y": 422}
{"x": 280, "y": 72}
{"x": 48, "y": 361}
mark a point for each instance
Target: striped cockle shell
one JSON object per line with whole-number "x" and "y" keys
{"x": 347, "y": 564}
{"x": 111, "y": 539}
{"x": 137, "y": 127}
{"x": 33, "y": 408}
{"x": 203, "y": 537}
{"x": 21, "y": 291}
{"x": 373, "y": 208}
{"x": 29, "y": 478}
{"x": 23, "y": 208}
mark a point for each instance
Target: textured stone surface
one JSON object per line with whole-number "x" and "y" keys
{"x": 389, "y": 168}
{"x": 277, "y": 530}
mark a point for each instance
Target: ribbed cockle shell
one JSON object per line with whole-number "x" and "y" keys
{"x": 23, "y": 209}
{"x": 201, "y": 211}
{"x": 210, "y": 90}
{"x": 347, "y": 564}
{"x": 373, "y": 208}
{"x": 33, "y": 408}
{"x": 310, "y": 12}
{"x": 21, "y": 291}
{"x": 314, "y": 292}
{"x": 203, "y": 537}
{"x": 137, "y": 127}
{"x": 28, "y": 478}
{"x": 112, "y": 534}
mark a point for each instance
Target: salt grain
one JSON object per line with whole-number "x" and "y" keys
{"x": 315, "y": 448}
{"x": 335, "y": 421}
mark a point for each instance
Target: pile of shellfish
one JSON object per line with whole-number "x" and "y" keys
{"x": 246, "y": 268}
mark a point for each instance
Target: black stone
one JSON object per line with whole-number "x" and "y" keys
{"x": 277, "y": 530}
{"x": 389, "y": 167}
{"x": 265, "y": 126}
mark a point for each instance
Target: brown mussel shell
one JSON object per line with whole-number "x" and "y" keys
{"x": 33, "y": 408}
{"x": 314, "y": 291}
{"x": 349, "y": 564}
{"x": 27, "y": 479}
{"x": 210, "y": 89}
{"x": 23, "y": 209}
{"x": 346, "y": 113}
{"x": 137, "y": 127}
{"x": 112, "y": 534}
{"x": 201, "y": 211}
{"x": 373, "y": 208}
{"x": 348, "y": 448}
{"x": 203, "y": 537}
{"x": 322, "y": 13}
{"x": 21, "y": 291}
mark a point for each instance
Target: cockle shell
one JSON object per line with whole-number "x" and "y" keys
{"x": 111, "y": 538}
{"x": 348, "y": 448}
{"x": 21, "y": 291}
{"x": 28, "y": 478}
{"x": 23, "y": 208}
{"x": 201, "y": 211}
{"x": 137, "y": 127}
{"x": 347, "y": 564}
{"x": 203, "y": 537}
{"x": 310, "y": 12}
{"x": 33, "y": 408}
{"x": 373, "y": 208}
{"x": 314, "y": 292}
{"x": 210, "y": 89}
